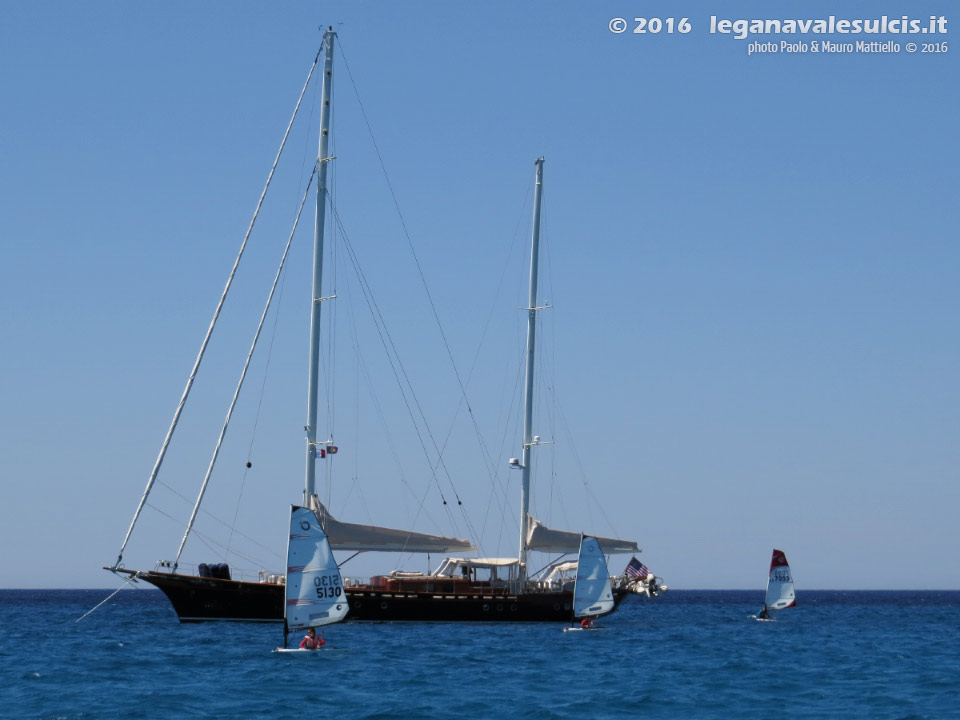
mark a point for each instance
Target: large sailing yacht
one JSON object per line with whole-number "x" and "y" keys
{"x": 462, "y": 587}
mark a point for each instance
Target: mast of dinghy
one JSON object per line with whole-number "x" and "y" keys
{"x": 317, "y": 297}
{"x": 532, "y": 308}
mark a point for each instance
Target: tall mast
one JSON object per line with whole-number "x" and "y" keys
{"x": 532, "y": 308}
{"x": 312, "y": 380}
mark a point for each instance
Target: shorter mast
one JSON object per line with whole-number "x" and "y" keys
{"x": 532, "y": 308}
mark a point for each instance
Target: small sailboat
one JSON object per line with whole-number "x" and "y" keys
{"x": 592, "y": 593}
{"x": 314, "y": 587}
{"x": 780, "y": 592}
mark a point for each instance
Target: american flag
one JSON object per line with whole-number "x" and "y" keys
{"x": 636, "y": 569}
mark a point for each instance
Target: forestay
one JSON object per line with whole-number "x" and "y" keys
{"x": 780, "y": 592}
{"x": 314, "y": 592}
{"x": 592, "y": 594}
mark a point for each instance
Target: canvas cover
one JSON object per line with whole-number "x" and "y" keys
{"x": 360, "y": 538}
{"x": 543, "y": 539}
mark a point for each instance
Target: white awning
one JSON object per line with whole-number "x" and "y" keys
{"x": 542, "y": 538}
{"x": 360, "y": 538}
{"x": 453, "y": 566}
{"x": 481, "y": 562}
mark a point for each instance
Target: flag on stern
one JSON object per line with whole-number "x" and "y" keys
{"x": 636, "y": 569}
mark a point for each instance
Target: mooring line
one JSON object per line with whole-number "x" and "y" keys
{"x": 131, "y": 579}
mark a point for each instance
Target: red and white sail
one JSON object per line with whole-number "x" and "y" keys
{"x": 780, "y": 592}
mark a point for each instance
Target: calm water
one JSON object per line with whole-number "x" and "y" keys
{"x": 688, "y": 655}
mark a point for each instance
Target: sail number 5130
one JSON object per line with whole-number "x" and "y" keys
{"x": 656, "y": 25}
{"x": 328, "y": 586}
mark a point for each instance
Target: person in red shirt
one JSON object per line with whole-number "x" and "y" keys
{"x": 586, "y": 624}
{"x": 311, "y": 641}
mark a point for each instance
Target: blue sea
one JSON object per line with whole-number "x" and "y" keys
{"x": 689, "y": 654}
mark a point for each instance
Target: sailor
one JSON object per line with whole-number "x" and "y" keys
{"x": 586, "y": 623}
{"x": 764, "y": 614}
{"x": 652, "y": 589}
{"x": 311, "y": 641}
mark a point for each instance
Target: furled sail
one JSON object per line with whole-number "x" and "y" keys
{"x": 542, "y": 538}
{"x": 780, "y": 592}
{"x": 359, "y": 538}
{"x": 314, "y": 592}
{"x": 592, "y": 594}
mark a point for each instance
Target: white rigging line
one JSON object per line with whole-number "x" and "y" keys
{"x": 364, "y": 374}
{"x": 497, "y": 488}
{"x": 214, "y": 545}
{"x": 266, "y": 370}
{"x": 393, "y": 357}
{"x": 583, "y": 474}
{"x": 423, "y": 280}
{"x": 129, "y": 581}
{"x": 232, "y": 528}
{"x": 243, "y": 373}
{"x": 213, "y": 322}
{"x": 256, "y": 424}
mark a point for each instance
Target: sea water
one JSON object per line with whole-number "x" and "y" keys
{"x": 685, "y": 655}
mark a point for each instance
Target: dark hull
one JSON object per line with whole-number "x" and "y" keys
{"x": 197, "y": 599}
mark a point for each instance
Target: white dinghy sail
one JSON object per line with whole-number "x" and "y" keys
{"x": 314, "y": 588}
{"x": 592, "y": 593}
{"x": 780, "y": 592}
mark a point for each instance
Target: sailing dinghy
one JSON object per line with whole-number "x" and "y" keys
{"x": 314, "y": 588}
{"x": 592, "y": 593}
{"x": 780, "y": 592}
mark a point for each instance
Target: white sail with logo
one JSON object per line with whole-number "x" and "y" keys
{"x": 780, "y": 592}
{"x": 314, "y": 593}
{"x": 592, "y": 594}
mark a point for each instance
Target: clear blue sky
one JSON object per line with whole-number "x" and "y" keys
{"x": 753, "y": 263}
